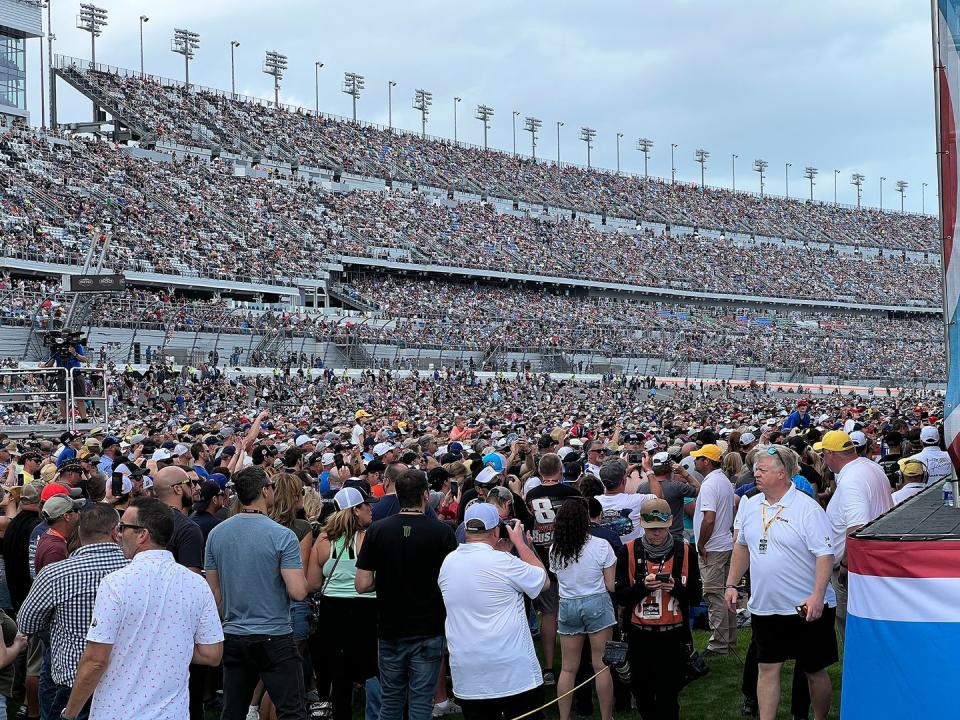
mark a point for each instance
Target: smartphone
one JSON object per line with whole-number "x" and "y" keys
{"x": 635, "y": 458}
{"x": 19, "y": 478}
{"x": 512, "y": 438}
{"x": 454, "y": 488}
{"x": 662, "y": 577}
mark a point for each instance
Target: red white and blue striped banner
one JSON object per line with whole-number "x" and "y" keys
{"x": 903, "y": 630}
{"x": 946, "y": 49}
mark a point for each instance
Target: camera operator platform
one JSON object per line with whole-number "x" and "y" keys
{"x": 67, "y": 352}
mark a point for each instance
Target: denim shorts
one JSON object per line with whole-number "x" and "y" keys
{"x": 589, "y": 614}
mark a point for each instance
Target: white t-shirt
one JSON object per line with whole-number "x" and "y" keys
{"x": 939, "y": 465}
{"x": 584, "y": 576}
{"x": 862, "y": 494}
{"x": 782, "y": 577}
{"x": 907, "y": 492}
{"x": 357, "y": 435}
{"x": 491, "y": 651}
{"x": 621, "y": 513}
{"x": 152, "y": 611}
{"x": 716, "y": 495}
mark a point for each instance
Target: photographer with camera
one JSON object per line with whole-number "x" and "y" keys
{"x": 677, "y": 484}
{"x": 67, "y": 352}
{"x": 657, "y": 580}
{"x": 492, "y": 659}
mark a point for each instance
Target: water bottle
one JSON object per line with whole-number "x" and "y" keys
{"x": 948, "y": 498}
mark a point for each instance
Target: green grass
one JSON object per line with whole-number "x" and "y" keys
{"x": 715, "y": 697}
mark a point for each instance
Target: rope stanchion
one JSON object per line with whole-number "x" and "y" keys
{"x": 558, "y": 698}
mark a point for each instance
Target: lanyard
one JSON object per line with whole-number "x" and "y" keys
{"x": 767, "y": 523}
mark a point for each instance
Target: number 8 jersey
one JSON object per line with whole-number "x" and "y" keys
{"x": 543, "y": 502}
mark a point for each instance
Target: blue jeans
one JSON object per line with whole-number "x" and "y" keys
{"x": 61, "y": 694}
{"x": 47, "y": 691}
{"x": 372, "y": 691}
{"x": 409, "y": 668}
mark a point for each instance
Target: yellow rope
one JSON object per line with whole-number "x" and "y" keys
{"x": 560, "y": 697}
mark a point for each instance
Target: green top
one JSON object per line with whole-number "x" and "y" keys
{"x": 339, "y": 575}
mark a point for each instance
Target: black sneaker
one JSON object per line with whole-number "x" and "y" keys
{"x": 548, "y": 678}
{"x": 749, "y": 708}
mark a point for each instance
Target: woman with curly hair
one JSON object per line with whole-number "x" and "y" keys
{"x": 585, "y": 567}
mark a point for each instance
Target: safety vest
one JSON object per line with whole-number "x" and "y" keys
{"x": 658, "y": 607}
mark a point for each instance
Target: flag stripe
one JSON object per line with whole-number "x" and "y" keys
{"x": 904, "y": 559}
{"x": 908, "y": 600}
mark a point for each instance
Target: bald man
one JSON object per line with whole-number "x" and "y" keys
{"x": 175, "y": 488}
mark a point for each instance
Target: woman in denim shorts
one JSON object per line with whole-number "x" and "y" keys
{"x": 585, "y": 567}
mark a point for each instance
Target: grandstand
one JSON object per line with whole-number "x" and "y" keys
{"x": 264, "y": 235}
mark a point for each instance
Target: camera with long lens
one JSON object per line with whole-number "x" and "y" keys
{"x": 61, "y": 342}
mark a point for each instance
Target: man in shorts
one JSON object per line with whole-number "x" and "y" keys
{"x": 784, "y": 539}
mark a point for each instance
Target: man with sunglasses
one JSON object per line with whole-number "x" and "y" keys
{"x": 151, "y": 619}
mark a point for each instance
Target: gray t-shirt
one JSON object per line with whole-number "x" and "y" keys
{"x": 674, "y": 493}
{"x": 248, "y": 552}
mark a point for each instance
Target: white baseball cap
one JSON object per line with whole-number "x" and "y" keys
{"x": 349, "y": 497}
{"x": 747, "y": 438}
{"x": 858, "y": 439}
{"x": 381, "y": 449}
{"x": 328, "y": 459}
{"x": 303, "y": 440}
{"x": 929, "y": 435}
{"x": 161, "y": 454}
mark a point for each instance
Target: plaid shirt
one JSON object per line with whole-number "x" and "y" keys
{"x": 61, "y": 600}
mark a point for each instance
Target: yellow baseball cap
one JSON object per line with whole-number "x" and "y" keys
{"x": 911, "y": 467}
{"x": 837, "y": 441}
{"x": 711, "y": 452}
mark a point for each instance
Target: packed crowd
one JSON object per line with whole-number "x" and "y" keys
{"x": 214, "y": 118}
{"x": 491, "y": 318}
{"x": 188, "y": 217}
{"x": 378, "y": 542}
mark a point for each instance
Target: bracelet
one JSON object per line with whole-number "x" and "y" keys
{"x": 732, "y": 587}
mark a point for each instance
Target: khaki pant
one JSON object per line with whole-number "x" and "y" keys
{"x": 723, "y": 623}
{"x": 840, "y": 589}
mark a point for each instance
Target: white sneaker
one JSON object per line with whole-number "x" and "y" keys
{"x": 253, "y": 714}
{"x": 447, "y": 707}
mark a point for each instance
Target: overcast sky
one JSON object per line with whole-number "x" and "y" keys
{"x": 845, "y": 84}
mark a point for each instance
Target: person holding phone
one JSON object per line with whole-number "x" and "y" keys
{"x": 657, "y": 580}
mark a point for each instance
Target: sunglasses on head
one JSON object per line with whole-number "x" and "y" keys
{"x": 656, "y": 516}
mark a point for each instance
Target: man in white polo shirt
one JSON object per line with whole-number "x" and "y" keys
{"x": 783, "y": 537}
{"x": 863, "y": 494}
{"x": 713, "y": 529}
{"x": 492, "y": 659}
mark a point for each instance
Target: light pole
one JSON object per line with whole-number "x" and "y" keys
{"x": 316, "y": 85}
{"x": 786, "y": 178}
{"x": 760, "y": 166}
{"x": 857, "y": 180}
{"x": 514, "y": 123}
{"x": 53, "y": 78}
{"x": 881, "y": 191}
{"x": 456, "y": 101}
{"x": 587, "y": 134}
{"x": 143, "y": 19}
{"x": 644, "y": 145}
{"x": 233, "y": 77}
{"x": 484, "y": 113}
{"x": 352, "y": 85}
{"x": 422, "y": 100}
{"x": 701, "y": 156}
{"x": 902, "y": 189}
{"x": 185, "y": 42}
{"x": 559, "y": 125}
{"x": 733, "y": 172}
{"x": 532, "y": 125}
{"x": 619, "y": 135}
{"x": 810, "y": 173}
{"x": 92, "y": 19}
{"x": 673, "y": 165}
{"x": 390, "y": 86}
{"x": 275, "y": 64}
{"x": 923, "y": 197}
{"x": 835, "y": 174}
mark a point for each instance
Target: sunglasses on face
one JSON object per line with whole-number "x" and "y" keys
{"x": 125, "y": 526}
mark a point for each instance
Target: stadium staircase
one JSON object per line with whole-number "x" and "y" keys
{"x": 355, "y": 352}
{"x": 110, "y": 105}
{"x": 337, "y": 292}
{"x": 554, "y": 360}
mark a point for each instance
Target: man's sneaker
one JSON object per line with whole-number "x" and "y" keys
{"x": 253, "y": 714}
{"x": 749, "y": 709}
{"x": 548, "y": 679}
{"x": 321, "y": 710}
{"x": 447, "y": 707}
